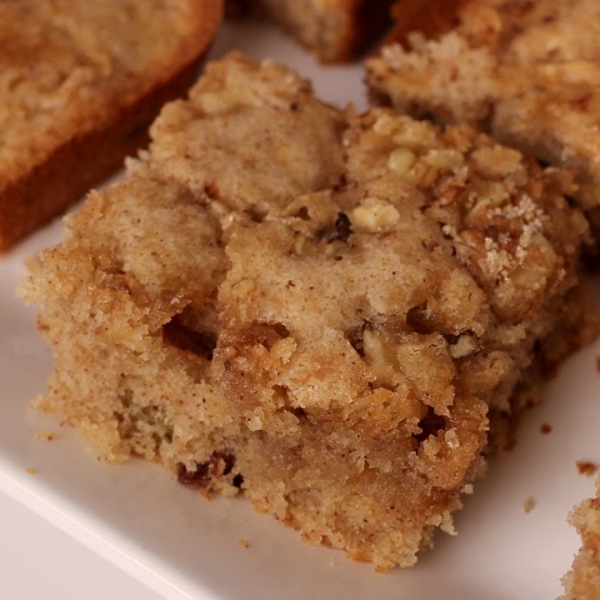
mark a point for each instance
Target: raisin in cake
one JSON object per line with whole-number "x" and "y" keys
{"x": 334, "y": 314}
{"x": 526, "y": 71}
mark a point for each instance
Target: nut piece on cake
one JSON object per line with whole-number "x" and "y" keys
{"x": 335, "y": 30}
{"x": 80, "y": 82}
{"x": 583, "y": 581}
{"x": 335, "y": 314}
{"x": 527, "y": 72}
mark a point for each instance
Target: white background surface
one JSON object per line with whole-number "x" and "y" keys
{"x": 182, "y": 546}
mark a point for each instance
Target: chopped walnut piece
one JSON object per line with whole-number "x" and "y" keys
{"x": 465, "y": 345}
{"x": 374, "y": 214}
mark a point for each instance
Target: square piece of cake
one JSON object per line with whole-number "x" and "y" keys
{"x": 336, "y": 314}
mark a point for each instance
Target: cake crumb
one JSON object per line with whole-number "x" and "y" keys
{"x": 31, "y": 471}
{"x": 49, "y": 436}
{"x": 586, "y": 467}
{"x": 244, "y": 543}
{"x": 528, "y": 505}
{"x": 545, "y": 428}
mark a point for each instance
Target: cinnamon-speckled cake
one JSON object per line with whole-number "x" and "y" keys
{"x": 335, "y": 314}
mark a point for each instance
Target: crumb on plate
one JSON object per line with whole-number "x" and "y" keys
{"x": 586, "y": 467}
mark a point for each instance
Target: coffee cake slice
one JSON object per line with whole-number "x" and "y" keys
{"x": 525, "y": 71}
{"x": 334, "y": 314}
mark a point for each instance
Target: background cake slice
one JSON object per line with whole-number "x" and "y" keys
{"x": 335, "y": 30}
{"x": 338, "y": 324}
{"x": 526, "y": 72}
{"x": 79, "y": 84}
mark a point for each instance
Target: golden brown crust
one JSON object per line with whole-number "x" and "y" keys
{"x": 95, "y": 147}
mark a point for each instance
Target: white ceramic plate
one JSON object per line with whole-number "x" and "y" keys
{"x": 183, "y": 546}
